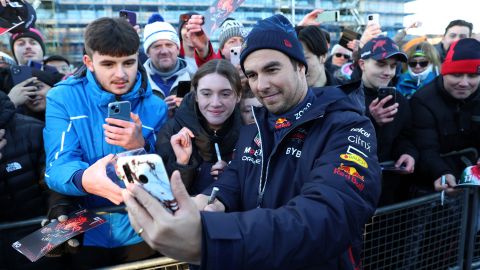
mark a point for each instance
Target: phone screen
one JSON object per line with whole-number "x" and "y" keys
{"x": 183, "y": 88}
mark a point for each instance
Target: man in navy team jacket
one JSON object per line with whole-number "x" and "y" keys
{"x": 298, "y": 192}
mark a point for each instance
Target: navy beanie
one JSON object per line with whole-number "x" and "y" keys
{"x": 463, "y": 56}
{"x": 276, "y": 33}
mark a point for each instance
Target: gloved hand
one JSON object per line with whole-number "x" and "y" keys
{"x": 59, "y": 207}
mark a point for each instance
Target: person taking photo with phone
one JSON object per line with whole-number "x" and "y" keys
{"x": 390, "y": 114}
{"x": 208, "y": 115}
{"x": 80, "y": 139}
{"x": 296, "y": 195}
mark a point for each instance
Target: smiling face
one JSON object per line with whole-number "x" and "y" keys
{"x": 216, "y": 99}
{"x": 26, "y": 48}
{"x": 164, "y": 54}
{"x": 377, "y": 73}
{"x": 274, "y": 80}
{"x": 116, "y": 75}
{"x": 461, "y": 86}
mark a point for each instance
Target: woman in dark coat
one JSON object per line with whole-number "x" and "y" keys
{"x": 207, "y": 116}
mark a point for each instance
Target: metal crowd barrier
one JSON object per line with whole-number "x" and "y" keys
{"x": 416, "y": 234}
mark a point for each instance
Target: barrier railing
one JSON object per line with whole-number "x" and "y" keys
{"x": 416, "y": 234}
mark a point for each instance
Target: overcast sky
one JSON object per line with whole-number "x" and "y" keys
{"x": 435, "y": 14}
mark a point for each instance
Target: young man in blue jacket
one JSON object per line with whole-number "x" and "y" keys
{"x": 297, "y": 193}
{"x": 80, "y": 139}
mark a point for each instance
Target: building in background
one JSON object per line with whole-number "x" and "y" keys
{"x": 63, "y": 21}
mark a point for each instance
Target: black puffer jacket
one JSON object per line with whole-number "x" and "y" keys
{"x": 22, "y": 165}
{"x": 196, "y": 175}
{"x": 443, "y": 124}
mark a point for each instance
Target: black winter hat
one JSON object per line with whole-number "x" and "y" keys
{"x": 463, "y": 56}
{"x": 276, "y": 33}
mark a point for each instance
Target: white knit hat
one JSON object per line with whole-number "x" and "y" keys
{"x": 159, "y": 30}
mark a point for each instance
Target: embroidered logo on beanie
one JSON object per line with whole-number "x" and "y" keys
{"x": 462, "y": 57}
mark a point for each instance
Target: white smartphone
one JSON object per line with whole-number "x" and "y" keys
{"x": 235, "y": 55}
{"x": 149, "y": 172}
{"x": 373, "y": 18}
{"x": 329, "y": 16}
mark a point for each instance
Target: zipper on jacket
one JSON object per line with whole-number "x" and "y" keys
{"x": 263, "y": 182}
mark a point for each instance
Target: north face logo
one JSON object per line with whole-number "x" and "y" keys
{"x": 13, "y": 166}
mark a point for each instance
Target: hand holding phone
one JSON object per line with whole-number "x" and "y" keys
{"x": 384, "y": 92}
{"x": 373, "y": 18}
{"x": 149, "y": 172}
{"x": 119, "y": 110}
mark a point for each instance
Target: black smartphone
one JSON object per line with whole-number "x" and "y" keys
{"x": 347, "y": 36}
{"x": 183, "y": 88}
{"x": 119, "y": 110}
{"x": 130, "y": 16}
{"x": 383, "y": 92}
{"x": 20, "y": 73}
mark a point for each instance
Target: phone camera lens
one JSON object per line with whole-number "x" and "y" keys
{"x": 16, "y": 71}
{"x": 143, "y": 179}
{"x": 115, "y": 109}
{"x": 370, "y": 17}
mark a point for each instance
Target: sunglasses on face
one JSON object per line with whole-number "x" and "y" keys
{"x": 346, "y": 56}
{"x": 415, "y": 63}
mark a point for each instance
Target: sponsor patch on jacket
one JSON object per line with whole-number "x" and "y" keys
{"x": 350, "y": 173}
{"x": 282, "y": 123}
{"x": 298, "y": 135}
{"x": 14, "y": 166}
{"x": 257, "y": 140}
{"x": 355, "y": 159}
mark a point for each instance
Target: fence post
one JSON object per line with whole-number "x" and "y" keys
{"x": 472, "y": 213}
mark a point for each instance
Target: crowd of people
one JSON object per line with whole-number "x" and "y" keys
{"x": 303, "y": 138}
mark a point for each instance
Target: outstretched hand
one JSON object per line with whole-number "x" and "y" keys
{"x": 95, "y": 181}
{"x": 182, "y": 145}
{"x": 177, "y": 236}
{"x": 311, "y": 18}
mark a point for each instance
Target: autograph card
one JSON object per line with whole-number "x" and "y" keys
{"x": 217, "y": 13}
{"x": 37, "y": 244}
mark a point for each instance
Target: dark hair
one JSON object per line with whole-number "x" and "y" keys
{"x": 221, "y": 67}
{"x": 327, "y": 35}
{"x": 56, "y": 58}
{"x": 312, "y": 37}
{"x": 111, "y": 36}
{"x": 247, "y": 92}
{"x": 459, "y": 23}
